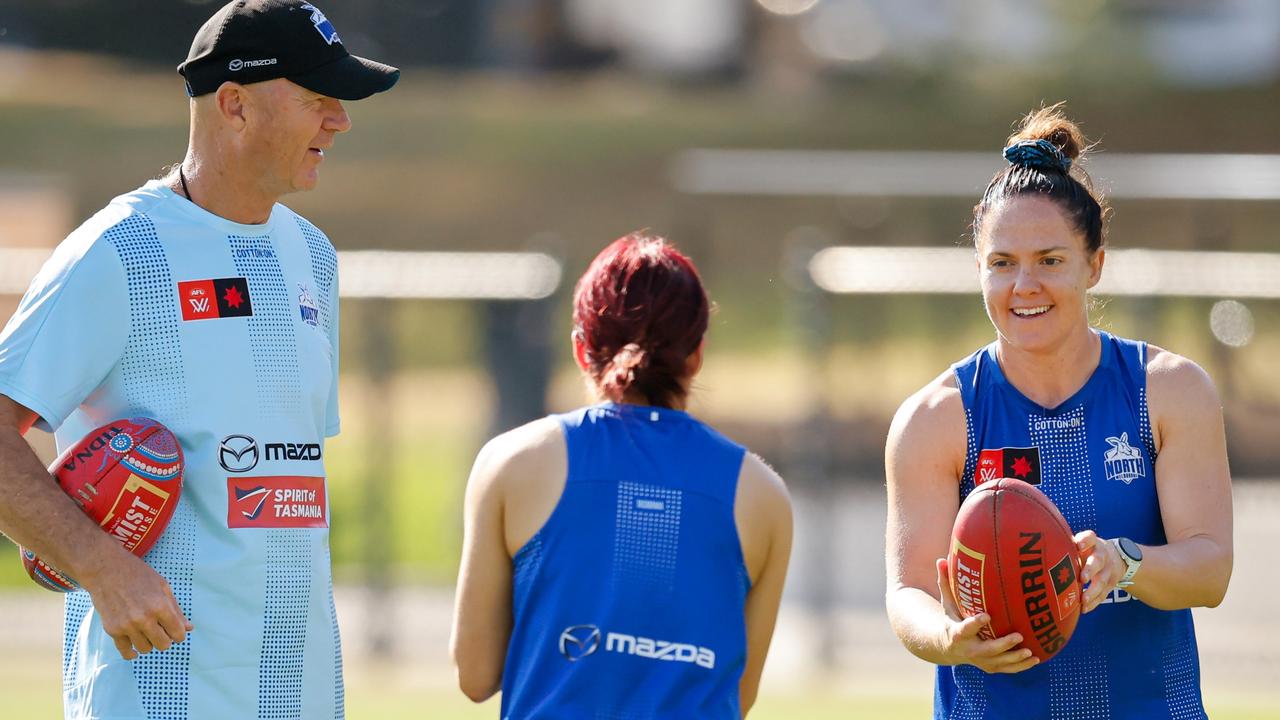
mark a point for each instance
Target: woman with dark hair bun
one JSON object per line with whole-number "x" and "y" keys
{"x": 623, "y": 560}
{"x": 1124, "y": 437}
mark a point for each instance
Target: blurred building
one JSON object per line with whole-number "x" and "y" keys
{"x": 1226, "y": 42}
{"x": 1229, "y": 42}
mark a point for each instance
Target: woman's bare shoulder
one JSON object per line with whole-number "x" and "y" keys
{"x": 937, "y": 409}
{"x": 1176, "y": 383}
{"x": 527, "y": 452}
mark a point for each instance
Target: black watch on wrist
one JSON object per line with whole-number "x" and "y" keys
{"x": 1131, "y": 554}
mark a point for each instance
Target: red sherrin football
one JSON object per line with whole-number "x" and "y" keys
{"x": 127, "y": 476}
{"x": 1013, "y": 557}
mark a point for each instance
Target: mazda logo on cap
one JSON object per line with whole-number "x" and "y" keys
{"x": 238, "y": 453}
{"x": 579, "y": 641}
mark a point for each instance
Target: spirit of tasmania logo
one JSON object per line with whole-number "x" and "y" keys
{"x": 277, "y": 502}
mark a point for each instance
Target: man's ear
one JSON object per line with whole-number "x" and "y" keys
{"x": 232, "y": 100}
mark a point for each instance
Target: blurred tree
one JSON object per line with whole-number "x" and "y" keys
{"x": 402, "y": 32}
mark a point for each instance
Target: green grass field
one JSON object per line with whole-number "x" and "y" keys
{"x": 30, "y": 690}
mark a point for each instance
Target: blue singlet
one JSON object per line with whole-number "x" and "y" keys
{"x": 1095, "y": 458}
{"x": 629, "y": 602}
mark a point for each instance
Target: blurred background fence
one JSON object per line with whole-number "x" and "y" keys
{"x": 817, "y": 158}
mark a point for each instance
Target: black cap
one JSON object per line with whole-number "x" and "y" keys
{"x": 250, "y": 41}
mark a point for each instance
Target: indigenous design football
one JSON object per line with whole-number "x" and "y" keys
{"x": 127, "y": 477}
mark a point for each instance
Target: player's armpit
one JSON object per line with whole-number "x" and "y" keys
{"x": 15, "y": 415}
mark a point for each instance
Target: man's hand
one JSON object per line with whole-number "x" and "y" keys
{"x": 136, "y": 606}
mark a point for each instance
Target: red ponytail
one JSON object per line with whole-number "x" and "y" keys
{"x": 640, "y": 311}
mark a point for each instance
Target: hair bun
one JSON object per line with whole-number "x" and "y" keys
{"x": 1040, "y": 154}
{"x": 1052, "y": 125}
{"x": 1044, "y": 161}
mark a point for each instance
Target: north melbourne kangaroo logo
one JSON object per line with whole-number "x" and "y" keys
{"x": 1123, "y": 461}
{"x": 322, "y": 24}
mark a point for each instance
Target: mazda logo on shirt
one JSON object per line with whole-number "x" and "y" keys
{"x": 238, "y": 453}
{"x": 579, "y": 641}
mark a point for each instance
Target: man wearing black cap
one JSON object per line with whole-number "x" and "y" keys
{"x": 267, "y": 78}
{"x": 200, "y": 301}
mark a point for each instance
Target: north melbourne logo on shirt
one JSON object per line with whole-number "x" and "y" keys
{"x": 1123, "y": 461}
{"x": 307, "y": 306}
{"x": 1020, "y": 463}
{"x": 213, "y": 299}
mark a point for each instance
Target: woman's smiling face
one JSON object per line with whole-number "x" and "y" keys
{"x": 1035, "y": 273}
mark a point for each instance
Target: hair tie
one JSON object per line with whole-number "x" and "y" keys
{"x": 1039, "y": 154}
{"x": 632, "y": 356}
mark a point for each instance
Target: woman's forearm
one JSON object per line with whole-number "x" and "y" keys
{"x": 1192, "y": 572}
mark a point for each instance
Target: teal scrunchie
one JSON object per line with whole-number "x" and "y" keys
{"x": 1039, "y": 154}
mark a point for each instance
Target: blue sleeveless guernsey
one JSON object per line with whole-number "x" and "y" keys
{"x": 629, "y": 602}
{"x": 1094, "y": 457}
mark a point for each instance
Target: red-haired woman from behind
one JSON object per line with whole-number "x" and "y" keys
{"x": 623, "y": 560}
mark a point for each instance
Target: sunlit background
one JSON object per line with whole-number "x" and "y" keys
{"x": 819, "y": 160}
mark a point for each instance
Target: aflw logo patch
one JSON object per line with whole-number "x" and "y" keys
{"x": 212, "y": 299}
{"x": 1020, "y": 463}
